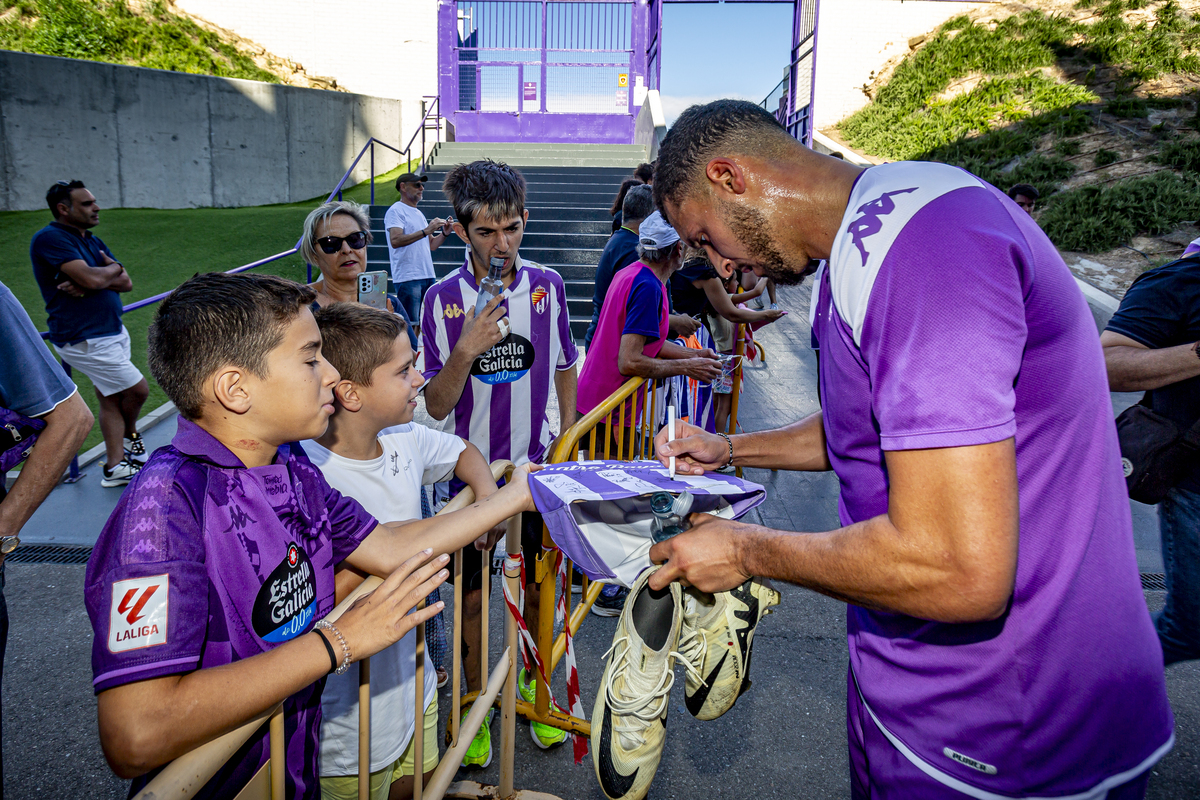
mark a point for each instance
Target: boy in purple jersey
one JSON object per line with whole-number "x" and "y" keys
{"x": 490, "y": 377}
{"x": 1000, "y": 645}
{"x": 205, "y": 584}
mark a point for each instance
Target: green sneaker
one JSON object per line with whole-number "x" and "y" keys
{"x": 479, "y": 754}
{"x": 544, "y": 736}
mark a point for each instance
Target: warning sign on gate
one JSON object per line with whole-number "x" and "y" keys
{"x": 622, "y": 98}
{"x": 529, "y": 90}
{"x": 622, "y": 80}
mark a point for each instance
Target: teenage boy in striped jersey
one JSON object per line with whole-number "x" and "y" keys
{"x": 489, "y": 377}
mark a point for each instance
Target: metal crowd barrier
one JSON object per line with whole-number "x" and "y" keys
{"x": 186, "y": 775}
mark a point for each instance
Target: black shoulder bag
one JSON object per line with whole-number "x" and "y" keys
{"x": 1155, "y": 452}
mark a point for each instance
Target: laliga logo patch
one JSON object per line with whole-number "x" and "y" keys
{"x": 538, "y": 298}
{"x": 506, "y": 362}
{"x": 453, "y": 312}
{"x": 287, "y": 600}
{"x": 138, "y": 616}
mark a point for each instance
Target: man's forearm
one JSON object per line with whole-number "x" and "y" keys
{"x": 798, "y": 446}
{"x": 405, "y": 239}
{"x": 66, "y": 428}
{"x": 642, "y": 366}
{"x": 566, "y": 386}
{"x": 1137, "y": 369}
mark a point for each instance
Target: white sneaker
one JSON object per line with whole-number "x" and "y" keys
{"x": 774, "y": 306}
{"x": 630, "y": 716}
{"x": 121, "y": 474}
{"x": 757, "y": 303}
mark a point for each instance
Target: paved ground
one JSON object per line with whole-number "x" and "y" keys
{"x": 785, "y": 738}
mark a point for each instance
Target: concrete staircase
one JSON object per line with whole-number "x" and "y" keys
{"x": 569, "y": 225}
{"x": 537, "y": 154}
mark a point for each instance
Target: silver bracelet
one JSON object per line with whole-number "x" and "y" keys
{"x": 729, "y": 442}
{"x": 329, "y": 626}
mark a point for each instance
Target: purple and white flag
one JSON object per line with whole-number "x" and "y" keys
{"x": 598, "y": 512}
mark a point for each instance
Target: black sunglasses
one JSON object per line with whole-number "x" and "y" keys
{"x": 332, "y": 244}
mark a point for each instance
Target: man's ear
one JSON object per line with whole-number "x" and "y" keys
{"x": 726, "y": 176}
{"x": 345, "y": 394}
{"x": 460, "y": 231}
{"x": 724, "y": 268}
{"x": 230, "y": 390}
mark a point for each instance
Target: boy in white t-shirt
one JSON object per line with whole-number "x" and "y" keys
{"x": 374, "y": 453}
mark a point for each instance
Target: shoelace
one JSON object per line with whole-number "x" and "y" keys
{"x": 646, "y": 696}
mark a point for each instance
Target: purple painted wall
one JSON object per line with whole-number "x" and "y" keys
{"x": 545, "y": 70}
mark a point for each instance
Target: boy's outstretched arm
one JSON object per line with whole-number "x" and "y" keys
{"x": 393, "y": 542}
{"x": 473, "y": 470}
{"x": 145, "y": 724}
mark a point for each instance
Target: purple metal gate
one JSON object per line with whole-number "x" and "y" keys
{"x": 544, "y": 70}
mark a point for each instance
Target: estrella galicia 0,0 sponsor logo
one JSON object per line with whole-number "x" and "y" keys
{"x": 138, "y": 616}
{"x": 506, "y": 362}
{"x": 287, "y": 600}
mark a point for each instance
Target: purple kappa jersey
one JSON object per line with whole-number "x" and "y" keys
{"x": 502, "y": 410}
{"x": 946, "y": 318}
{"x": 205, "y": 562}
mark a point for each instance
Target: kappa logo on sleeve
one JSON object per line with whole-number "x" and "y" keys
{"x": 138, "y": 617}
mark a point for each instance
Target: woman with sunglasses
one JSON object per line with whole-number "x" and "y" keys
{"x": 336, "y": 235}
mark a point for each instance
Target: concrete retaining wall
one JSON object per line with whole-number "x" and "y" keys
{"x": 151, "y": 138}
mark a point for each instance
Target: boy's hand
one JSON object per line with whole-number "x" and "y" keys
{"x": 381, "y": 618}
{"x": 479, "y": 335}
{"x": 520, "y": 482}
{"x": 488, "y": 540}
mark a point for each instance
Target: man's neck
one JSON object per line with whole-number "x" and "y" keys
{"x": 76, "y": 228}
{"x": 661, "y": 271}
{"x": 351, "y": 437}
{"x": 407, "y": 202}
{"x": 633, "y": 228}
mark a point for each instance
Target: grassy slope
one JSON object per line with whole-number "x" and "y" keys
{"x": 107, "y": 30}
{"x": 164, "y": 248}
{"x": 985, "y": 97}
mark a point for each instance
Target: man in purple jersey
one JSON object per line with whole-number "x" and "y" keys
{"x": 204, "y": 586}
{"x": 490, "y": 377}
{"x": 1000, "y": 645}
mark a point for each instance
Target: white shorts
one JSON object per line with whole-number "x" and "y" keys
{"x": 104, "y": 360}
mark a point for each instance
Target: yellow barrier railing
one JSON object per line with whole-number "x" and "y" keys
{"x": 186, "y": 775}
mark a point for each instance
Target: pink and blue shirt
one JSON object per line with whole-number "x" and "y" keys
{"x": 946, "y": 318}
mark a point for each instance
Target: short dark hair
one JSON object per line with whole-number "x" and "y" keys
{"x": 215, "y": 320}
{"x": 1025, "y": 189}
{"x": 626, "y": 185}
{"x": 639, "y": 204}
{"x": 704, "y": 132}
{"x": 644, "y": 173}
{"x": 358, "y": 339}
{"x": 485, "y": 186}
{"x": 60, "y": 192}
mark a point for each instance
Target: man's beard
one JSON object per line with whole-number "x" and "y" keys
{"x": 750, "y": 226}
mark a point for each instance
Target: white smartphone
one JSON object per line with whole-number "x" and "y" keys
{"x": 372, "y": 289}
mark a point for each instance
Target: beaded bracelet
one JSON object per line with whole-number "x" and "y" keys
{"x": 729, "y": 442}
{"x": 329, "y": 626}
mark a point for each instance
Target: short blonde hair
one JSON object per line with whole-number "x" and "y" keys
{"x": 326, "y": 211}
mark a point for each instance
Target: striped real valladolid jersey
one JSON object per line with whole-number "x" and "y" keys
{"x": 502, "y": 410}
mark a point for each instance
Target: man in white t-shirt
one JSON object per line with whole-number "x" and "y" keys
{"x": 374, "y": 453}
{"x": 411, "y": 242}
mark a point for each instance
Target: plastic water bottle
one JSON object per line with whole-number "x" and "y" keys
{"x": 670, "y": 514}
{"x": 491, "y": 286}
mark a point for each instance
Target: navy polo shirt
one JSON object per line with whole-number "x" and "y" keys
{"x": 73, "y": 319}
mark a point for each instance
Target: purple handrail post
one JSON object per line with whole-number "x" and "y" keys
{"x": 372, "y": 171}
{"x": 424, "y": 116}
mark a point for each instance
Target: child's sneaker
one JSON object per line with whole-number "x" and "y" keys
{"x": 774, "y": 306}
{"x": 479, "y": 754}
{"x": 611, "y": 601}
{"x": 135, "y": 448}
{"x": 121, "y": 474}
{"x": 544, "y": 736}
